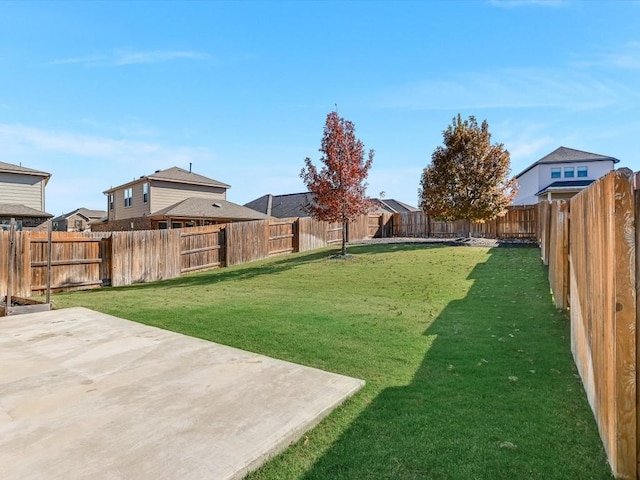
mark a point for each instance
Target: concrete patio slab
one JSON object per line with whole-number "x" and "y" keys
{"x": 84, "y": 395}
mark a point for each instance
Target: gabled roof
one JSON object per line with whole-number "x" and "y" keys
{"x": 569, "y": 155}
{"x": 207, "y": 208}
{"x": 10, "y": 168}
{"x": 566, "y": 185}
{"x": 175, "y": 175}
{"x": 389, "y": 205}
{"x": 282, "y": 206}
{"x": 85, "y": 212}
{"x": 14, "y": 210}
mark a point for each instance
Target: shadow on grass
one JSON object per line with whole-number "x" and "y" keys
{"x": 496, "y": 396}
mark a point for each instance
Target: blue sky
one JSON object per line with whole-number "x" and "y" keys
{"x": 99, "y": 93}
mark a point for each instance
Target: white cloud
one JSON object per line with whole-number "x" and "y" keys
{"x": 627, "y": 58}
{"x": 83, "y": 166}
{"x": 123, "y": 58}
{"x": 528, "y": 3}
{"x": 31, "y": 141}
{"x": 511, "y": 88}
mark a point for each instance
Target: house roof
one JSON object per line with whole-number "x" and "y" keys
{"x": 282, "y": 206}
{"x": 85, "y": 212}
{"x": 569, "y": 155}
{"x": 389, "y": 205}
{"x": 175, "y": 175}
{"x": 14, "y": 210}
{"x": 295, "y": 205}
{"x": 566, "y": 185}
{"x": 11, "y": 168}
{"x": 206, "y": 208}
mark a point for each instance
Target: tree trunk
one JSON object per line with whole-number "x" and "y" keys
{"x": 344, "y": 238}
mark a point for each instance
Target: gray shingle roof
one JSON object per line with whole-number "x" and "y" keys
{"x": 569, "y": 155}
{"x": 208, "y": 208}
{"x": 85, "y": 212}
{"x": 282, "y": 206}
{"x": 389, "y": 205}
{"x": 11, "y": 168}
{"x": 295, "y": 205}
{"x": 13, "y": 210}
{"x": 176, "y": 175}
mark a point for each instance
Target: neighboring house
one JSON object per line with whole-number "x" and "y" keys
{"x": 22, "y": 195}
{"x": 389, "y": 205}
{"x": 295, "y": 205}
{"x": 171, "y": 198}
{"x": 282, "y": 206}
{"x": 560, "y": 175}
{"x": 77, "y": 221}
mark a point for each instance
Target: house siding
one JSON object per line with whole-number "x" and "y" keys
{"x": 137, "y": 209}
{"x": 539, "y": 177}
{"x": 165, "y": 194}
{"x": 20, "y": 189}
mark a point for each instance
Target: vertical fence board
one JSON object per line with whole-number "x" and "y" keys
{"x": 603, "y": 310}
{"x": 558, "y": 252}
{"x": 247, "y": 241}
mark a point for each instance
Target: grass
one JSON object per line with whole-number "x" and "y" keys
{"x": 467, "y": 362}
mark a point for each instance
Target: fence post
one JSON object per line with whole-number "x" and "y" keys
{"x": 11, "y": 263}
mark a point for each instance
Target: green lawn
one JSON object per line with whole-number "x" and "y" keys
{"x": 467, "y": 363}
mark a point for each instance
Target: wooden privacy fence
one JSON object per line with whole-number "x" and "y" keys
{"x": 518, "y": 222}
{"x": 89, "y": 260}
{"x": 590, "y": 245}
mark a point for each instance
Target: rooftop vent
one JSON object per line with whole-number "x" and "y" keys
{"x": 217, "y": 205}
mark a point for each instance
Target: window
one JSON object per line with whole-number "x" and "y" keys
{"x": 78, "y": 223}
{"x": 111, "y": 201}
{"x": 583, "y": 172}
{"x": 145, "y": 192}
{"x": 176, "y": 224}
{"x": 568, "y": 172}
{"x": 555, "y": 173}
{"x": 162, "y": 225}
{"x": 128, "y": 197}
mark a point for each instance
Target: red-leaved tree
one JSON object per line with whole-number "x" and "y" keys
{"x": 338, "y": 189}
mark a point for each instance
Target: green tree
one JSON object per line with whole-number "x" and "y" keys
{"x": 338, "y": 189}
{"x": 468, "y": 177}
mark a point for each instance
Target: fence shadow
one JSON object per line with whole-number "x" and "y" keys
{"x": 495, "y": 396}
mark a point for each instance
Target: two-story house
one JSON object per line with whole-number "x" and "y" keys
{"x": 22, "y": 195}
{"x": 171, "y": 198}
{"x": 560, "y": 175}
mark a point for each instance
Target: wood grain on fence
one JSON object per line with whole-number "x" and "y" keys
{"x": 20, "y": 279}
{"x": 145, "y": 256}
{"x": 312, "y": 234}
{"x": 282, "y": 236}
{"x": 603, "y": 311}
{"x": 413, "y": 224}
{"x": 202, "y": 248}
{"x": 247, "y": 241}
{"x": 75, "y": 261}
{"x": 520, "y": 221}
{"x": 543, "y": 230}
{"x": 559, "y": 253}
